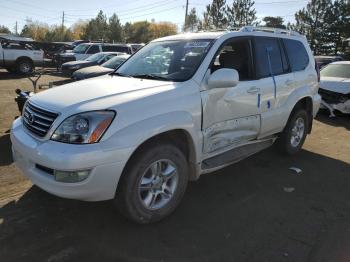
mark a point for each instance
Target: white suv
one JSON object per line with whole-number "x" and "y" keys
{"x": 180, "y": 107}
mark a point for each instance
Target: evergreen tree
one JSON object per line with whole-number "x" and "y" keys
{"x": 337, "y": 25}
{"x": 192, "y": 21}
{"x": 115, "y": 30}
{"x": 311, "y": 21}
{"x": 274, "y": 21}
{"x": 241, "y": 13}
{"x": 97, "y": 28}
{"x": 214, "y": 15}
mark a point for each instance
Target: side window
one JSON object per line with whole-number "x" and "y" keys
{"x": 235, "y": 54}
{"x": 93, "y": 49}
{"x": 115, "y": 48}
{"x": 268, "y": 57}
{"x": 297, "y": 55}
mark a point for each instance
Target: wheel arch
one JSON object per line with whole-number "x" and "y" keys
{"x": 181, "y": 138}
{"x": 306, "y": 104}
{"x": 24, "y": 58}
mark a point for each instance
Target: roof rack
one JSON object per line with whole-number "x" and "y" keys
{"x": 268, "y": 30}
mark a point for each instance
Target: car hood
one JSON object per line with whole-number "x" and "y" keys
{"x": 92, "y": 71}
{"x": 73, "y": 63}
{"x": 336, "y": 84}
{"x": 98, "y": 93}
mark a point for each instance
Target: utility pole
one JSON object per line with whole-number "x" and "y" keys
{"x": 16, "y": 28}
{"x": 185, "y": 25}
{"x": 62, "y": 30}
{"x": 62, "y": 21}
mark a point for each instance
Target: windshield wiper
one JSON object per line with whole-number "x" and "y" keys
{"x": 152, "y": 76}
{"x": 120, "y": 74}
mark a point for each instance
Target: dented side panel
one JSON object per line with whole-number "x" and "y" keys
{"x": 230, "y": 132}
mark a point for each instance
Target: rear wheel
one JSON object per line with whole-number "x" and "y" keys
{"x": 294, "y": 134}
{"x": 153, "y": 184}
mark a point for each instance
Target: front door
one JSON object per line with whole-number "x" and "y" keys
{"x": 231, "y": 116}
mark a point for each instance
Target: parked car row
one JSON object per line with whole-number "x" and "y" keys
{"x": 96, "y": 59}
{"x": 98, "y": 70}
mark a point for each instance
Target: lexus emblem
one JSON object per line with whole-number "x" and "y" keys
{"x": 31, "y": 118}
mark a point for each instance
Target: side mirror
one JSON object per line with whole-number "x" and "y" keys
{"x": 223, "y": 78}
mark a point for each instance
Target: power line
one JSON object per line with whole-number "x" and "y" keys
{"x": 132, "y": 10}
{"x": 161, "y": 11}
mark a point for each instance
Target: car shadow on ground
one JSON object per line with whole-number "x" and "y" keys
{"x": 342, "y": 120}
{"x": 241, "y": 213}
{"x": 5, "y": 150}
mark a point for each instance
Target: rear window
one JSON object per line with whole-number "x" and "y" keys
{"x": 268, "y": 57}
{"x": 298, "y": 57}
{"x": 115, "y": 48}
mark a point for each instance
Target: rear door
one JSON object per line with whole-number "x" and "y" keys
{"x": 275, "y": 79}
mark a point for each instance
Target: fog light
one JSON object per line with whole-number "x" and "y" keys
{"x": 71, "y": 176}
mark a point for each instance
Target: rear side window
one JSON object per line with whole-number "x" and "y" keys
{"x": 269, "y": 58}
{"x": 298, "y": 57}
{"x": 93, "y": 49}
{"x": 115, "y": 48}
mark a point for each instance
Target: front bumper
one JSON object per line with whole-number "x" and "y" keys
{"x": 106, "y": 165}
{"x": 335, "y": 101}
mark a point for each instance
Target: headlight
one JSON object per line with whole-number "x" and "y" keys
{"x": 84, "y": 128}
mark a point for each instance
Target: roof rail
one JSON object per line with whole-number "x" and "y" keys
{"x": 269, "y": 30}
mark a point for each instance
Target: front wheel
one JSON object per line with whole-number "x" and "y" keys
{"x": 294, "y": 134}
{"x": 153, "y": 183}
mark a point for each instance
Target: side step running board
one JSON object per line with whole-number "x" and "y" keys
{"x": 235, "y": 155}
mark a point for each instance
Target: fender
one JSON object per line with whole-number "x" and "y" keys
{"x": 137, "y": 133}
{"x": 275, "y": 120}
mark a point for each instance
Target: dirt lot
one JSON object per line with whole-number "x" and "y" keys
{"x": 241, "y": 213}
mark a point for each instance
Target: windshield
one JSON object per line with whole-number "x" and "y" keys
{"x": 114, "y": 62}
{"x": 167, "y": 60}
{"x": 80, "y": 49}
{"x": 95, "y": 57}
{"x": 337, "y": 70}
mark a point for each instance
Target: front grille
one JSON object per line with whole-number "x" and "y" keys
{"x": 37, "y": 120}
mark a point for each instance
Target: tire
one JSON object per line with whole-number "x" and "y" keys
{"x": 293, "y": 136}
{"x": 25, "y": 66}
{"x": 140, "y": 200}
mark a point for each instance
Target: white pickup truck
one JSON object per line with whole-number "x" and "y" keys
{"x": 17, "y": 54}
{"x": 180, "y": 107}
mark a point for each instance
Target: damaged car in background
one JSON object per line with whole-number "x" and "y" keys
{"x": 335, "y": 87}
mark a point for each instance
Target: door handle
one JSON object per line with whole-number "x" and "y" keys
{"x": 289, "y": 82}
{"x": 253, "y": 90}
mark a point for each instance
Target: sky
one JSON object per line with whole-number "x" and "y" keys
{"x": 51, "y": 11}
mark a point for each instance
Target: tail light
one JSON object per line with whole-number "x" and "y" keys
{"x": 318, "y": 71}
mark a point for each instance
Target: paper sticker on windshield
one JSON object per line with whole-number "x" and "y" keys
{"x": 197, "y": 44}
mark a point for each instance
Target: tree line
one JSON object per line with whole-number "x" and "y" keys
{"x": 99, "y": 28}
{"x": 325, "y": 23}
